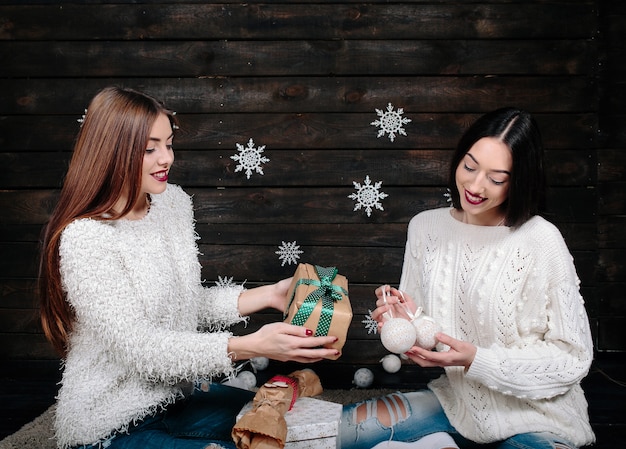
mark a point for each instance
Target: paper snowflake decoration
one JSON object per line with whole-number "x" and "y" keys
{"x": 225, "y": 281}
{"x": 448, "y": 196}
{"x": 368, "y": 196}
{"x": 370, "y": 323}
{"x": 391, "y": 122}
{"x": 250, "y": 158}
{"x": 289, "y": 253}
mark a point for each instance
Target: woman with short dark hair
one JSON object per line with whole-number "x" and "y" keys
{"x": 499, "y": 280}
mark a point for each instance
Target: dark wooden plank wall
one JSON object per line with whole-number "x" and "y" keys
{"x": 304, "y": 79}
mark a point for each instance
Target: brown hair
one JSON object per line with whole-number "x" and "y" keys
{"x": 106, "y": 165}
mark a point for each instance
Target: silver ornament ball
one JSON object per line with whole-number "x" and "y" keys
{"x": 363, "y": 377}
{"x": 391, "y": 363}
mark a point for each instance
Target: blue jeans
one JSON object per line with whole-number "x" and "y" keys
{"x": 195, "y": 422}
{"x": 410, "y": 416}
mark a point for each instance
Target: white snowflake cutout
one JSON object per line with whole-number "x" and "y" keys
{"x": 367, "y": 195}
{"x": 370, "y": 323}
{"x": 391, "y": 122}
{"x": 225, "y": 281}
{"x": 250, "y": 158}
{"x": 448, "y": 196}
{"x": 289, "y": 253}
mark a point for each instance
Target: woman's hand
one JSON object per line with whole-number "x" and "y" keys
{"x": 461, "y": 353}
{"x": 283, "y": 342}
{"x": 391, "y": 303}
{"x": 272, "y": 296}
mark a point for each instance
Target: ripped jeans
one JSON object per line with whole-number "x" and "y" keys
{"x": 407, "y": 417}
{"x": 203, "y": 419}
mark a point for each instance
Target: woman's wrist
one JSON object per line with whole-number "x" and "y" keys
{"x": 237, "y": 349}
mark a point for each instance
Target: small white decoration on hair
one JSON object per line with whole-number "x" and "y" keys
{"x": 82, "y": 119}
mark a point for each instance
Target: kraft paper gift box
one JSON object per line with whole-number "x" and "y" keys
{"x": 318, "y": 300}
{"x": 311, "y": 424}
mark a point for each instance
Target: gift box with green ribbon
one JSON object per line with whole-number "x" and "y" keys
{"x": 318, "y": 300}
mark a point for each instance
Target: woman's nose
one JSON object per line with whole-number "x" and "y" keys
{"x": 166, "y": 157}
{"x": 477, "y": 183}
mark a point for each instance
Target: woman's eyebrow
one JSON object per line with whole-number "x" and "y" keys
{"x": 506, "y": 172}
{"x": 156, "y": 139}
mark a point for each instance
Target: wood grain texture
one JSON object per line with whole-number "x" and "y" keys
{"x": 304, "y": 79}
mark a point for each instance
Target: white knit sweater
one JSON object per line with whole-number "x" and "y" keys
{"x": 136, "y": 289}
{"x": 514, "y": 294}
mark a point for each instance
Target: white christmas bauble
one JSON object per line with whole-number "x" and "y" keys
{"x": 398, "y": 335}
{"x": 363, "y": 377}
{"x": 425, "y": 330}
{"x": 235, "y": 382}
{"x": 248, "y": 379}
{"x": 259, "y": 363}
{"x": 391, "y": 363}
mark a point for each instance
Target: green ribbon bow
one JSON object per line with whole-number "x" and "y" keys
{"x": 326, "y": 291}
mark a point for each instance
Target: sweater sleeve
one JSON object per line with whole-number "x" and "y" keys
{"x": 217, "y": 305}
{"x": 544, "y": 365}
{"x": 410, "y": 278}
{"x": 110, "y": 313}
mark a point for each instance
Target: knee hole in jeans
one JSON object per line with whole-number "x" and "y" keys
{"x": 389, "y": 410}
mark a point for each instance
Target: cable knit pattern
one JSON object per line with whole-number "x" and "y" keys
{"x": 514, "y": 294}
{"x": 136, "y": 289}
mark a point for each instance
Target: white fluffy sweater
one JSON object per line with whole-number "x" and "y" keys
{"x": 136, "y": 289}
{"x": 515, "y": 295}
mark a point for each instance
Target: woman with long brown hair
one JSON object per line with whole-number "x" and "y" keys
{"x": 122, "y": 299}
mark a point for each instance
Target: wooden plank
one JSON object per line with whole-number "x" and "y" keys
{"x": 272, "y": 20}
{"x": 314, "y": 94}
{"x": 612, "y": 198}
{"x": 293, "y": 168}
{"x": 18, "y": 293}
{"x": 261, "y": 264}
{"x": 304, "y": 205}
{"x": 611, "y": 165}
{"x": 576, "y": 204}
{"x": 612, "y": 231}
{"x": 382, "y": 235}
{"x": 615, "y": 129}
{"x": 611, "y": 336}
{"x": 19, "y": 260}
{"x": 12, "y": 232}
{"x": 57, "y": 59}
{"x": 24, "y": 321}
{"x": 25, "y": 347}
{"x": 27, "y": 207}
{"x": 612, "y": 297}
{"x": 611, "y": 265}
{"x": 331, "y": 131}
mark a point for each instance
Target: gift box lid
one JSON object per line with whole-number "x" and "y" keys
{"x": 309, "y": 418}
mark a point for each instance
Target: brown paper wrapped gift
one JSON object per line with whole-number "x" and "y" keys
{"x": 264, "y": 426}
{"x": 319, "y": 301}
